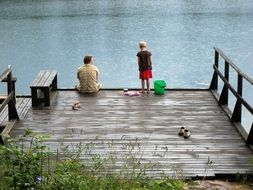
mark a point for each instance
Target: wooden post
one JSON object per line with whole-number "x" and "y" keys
{"x": 224, "y": 94}
{"x": 237, "y": 113}
{"x": 214, "y": 82}
{"x": 34, "y": 96}
{"x": 14, "y": 80}
{"x": 13, "y": 114}
{"x": 9, "y": 90}
{"x": 250, "y": 136}
{"x": 46, "y": 96}
{"x": 11, "y": 105}
{"x": 54, "y": 83}
{"x": 9, "y": 83}
{"x": 14, "y": 88}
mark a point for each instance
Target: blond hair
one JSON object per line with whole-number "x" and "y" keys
{"x": 142, "y": 44}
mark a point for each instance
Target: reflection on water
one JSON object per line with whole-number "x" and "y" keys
{"x": 56, "y": 34}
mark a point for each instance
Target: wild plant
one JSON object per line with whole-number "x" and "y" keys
{"x": 26, "y": 163}
{"x": 21, "y": 166}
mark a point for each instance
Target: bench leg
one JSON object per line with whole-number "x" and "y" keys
{"x": 34, "y": 97}
{"x": 54, "y": 83}
{"x": 46, "y": 97}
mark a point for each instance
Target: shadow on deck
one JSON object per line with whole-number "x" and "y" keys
{"x": 149, "y": 124}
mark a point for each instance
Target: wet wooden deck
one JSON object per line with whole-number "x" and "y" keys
{"x": 111, "y": 121}
{"x": 22, "y": 105}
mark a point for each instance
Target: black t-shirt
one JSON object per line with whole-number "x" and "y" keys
{"x": 144, "y": 60}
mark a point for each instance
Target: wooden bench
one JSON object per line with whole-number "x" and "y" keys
{"x": 42, "y": 86}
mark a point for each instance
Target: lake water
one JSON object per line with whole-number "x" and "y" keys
{"x": 181, "y": 34}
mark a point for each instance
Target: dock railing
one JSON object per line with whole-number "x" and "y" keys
{"x": 222, "y": 98}
{"x": 9, "y": 99}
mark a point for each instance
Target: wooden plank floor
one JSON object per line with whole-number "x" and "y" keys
{"x": 22, "y": 106}
{"x": 149, "y": 125}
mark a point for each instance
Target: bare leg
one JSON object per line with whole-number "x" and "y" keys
{"x": 148, "y": 86}
{"x": 142, "y": 86}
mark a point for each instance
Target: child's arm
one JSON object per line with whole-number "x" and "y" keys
{"x": 138, "y": 61}
{"x": 150, "y": 61}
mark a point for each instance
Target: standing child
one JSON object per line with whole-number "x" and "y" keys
{"x": 145, "y": 68}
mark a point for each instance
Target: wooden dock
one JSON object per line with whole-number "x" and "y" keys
{"x": 143, "y": 128}
{"x": 110, "y": 120}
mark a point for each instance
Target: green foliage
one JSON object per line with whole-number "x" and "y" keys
{"x": 67, "y": 175}
{"x": 20, "y": 165}
{"x": 26, "y": 163}
{"x": 243, "y": 178}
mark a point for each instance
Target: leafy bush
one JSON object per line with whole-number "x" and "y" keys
{"x": 21, "y": 167}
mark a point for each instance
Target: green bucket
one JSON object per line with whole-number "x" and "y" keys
{"x": 159, "y": 86}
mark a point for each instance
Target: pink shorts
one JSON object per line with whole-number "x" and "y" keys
{"x": 147, "y": 74}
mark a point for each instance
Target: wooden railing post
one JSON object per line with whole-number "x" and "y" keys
{"x": 13, "y": 80}
{"x": 250, "y": 136}
{"x": 214, "y": 82}
{"x": 11, "y": 105}
{"x": 224, "y": 93}
{"x": 9, "y": 83}
{"x": 222, "y": 99}
{"x": 237, "y": 113}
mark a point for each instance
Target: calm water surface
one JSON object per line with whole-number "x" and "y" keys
{"x": 56, "y": 34}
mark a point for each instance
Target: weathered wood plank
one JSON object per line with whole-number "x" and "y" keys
{"x": 22, "y": 106}
{"x": 50, "y": 78}
{"x": 112, "y": 122}
{"x": 44, "y": 78}
{"x": 38, "y": 78}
